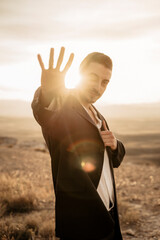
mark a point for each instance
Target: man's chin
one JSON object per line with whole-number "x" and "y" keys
{"x": 92, "y": 99}
{"x": 89, "y": 98}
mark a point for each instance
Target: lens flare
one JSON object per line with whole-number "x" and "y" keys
{"x": 80, "y": 145}
{"x": 84, "y": 153}
{"x": 87, "y": 165}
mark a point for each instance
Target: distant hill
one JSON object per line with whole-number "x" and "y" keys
{"x": 18, "y": 108}
{"x": 135, "y": 111}
{"x": 15, "y": 108}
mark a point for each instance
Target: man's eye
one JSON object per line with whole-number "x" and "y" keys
{"x": 105, "y": 82}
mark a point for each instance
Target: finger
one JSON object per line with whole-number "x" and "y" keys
{"x": 108, "y": 138}
{"x": 107, "y": 141}
{"x": 104, "y": 126}
{"x": 40, "y": 61}
{"x": 51, "y": 58}
{"x": 60, "y": 58}
{"x": 70, "y": 60}
{"x": 106, "y": 133}
{"x": 108, "y": 144}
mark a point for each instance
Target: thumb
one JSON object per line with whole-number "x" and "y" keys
{"x": 104, "y": 126}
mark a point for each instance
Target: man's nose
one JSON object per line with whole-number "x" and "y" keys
{"x": 98, "y": 86}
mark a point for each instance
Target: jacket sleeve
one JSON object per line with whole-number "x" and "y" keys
{"x": 117, "y": 155}
{"x": 43, "y": 115}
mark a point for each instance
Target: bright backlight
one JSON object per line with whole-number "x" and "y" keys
{"x": 72, "y": 79}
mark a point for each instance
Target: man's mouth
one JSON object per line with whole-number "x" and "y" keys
{"x": 93, "y": 93}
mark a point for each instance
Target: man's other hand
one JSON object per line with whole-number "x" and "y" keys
{"x": 108, "y": 137}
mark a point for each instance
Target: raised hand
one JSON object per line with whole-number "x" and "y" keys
{"x": 108, "y": 137}
{"x": 52, "y": 79}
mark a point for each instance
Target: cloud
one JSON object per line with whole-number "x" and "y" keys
{"x": 9, "y": 89}
{"x": 25, "y": 23}
{"x": 125, "y": 30}
{"x": 52, "y": 20}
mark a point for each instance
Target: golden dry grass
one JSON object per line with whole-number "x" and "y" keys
{"x": 26, "y": 189}
{"x": 16, "y": 196}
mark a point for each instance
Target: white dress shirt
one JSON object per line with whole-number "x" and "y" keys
{"x": 105, "y": 186}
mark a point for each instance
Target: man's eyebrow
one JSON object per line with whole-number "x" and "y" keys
{"x": 92, "y": 73}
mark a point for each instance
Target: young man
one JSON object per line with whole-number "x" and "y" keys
{"x": 82, "y": 148}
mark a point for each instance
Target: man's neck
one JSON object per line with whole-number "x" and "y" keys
{"x": 82, "y": 101}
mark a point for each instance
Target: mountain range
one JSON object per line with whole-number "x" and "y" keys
{"x": 19, "y": 108}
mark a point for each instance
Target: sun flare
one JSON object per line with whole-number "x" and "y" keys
{"x": 72, "y": 79}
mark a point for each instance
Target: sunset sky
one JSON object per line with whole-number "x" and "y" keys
{"x": 126, "y": 30}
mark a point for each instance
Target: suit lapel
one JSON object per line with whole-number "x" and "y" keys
{"x": 107, "y": 148}
{"x": 80, "y": 110}
{"x": 100, "y": 117}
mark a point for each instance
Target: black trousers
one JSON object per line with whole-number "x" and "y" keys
{"x": 112, "y": 234}
{"x": 110, "y": 237}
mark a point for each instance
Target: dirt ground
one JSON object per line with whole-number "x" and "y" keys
{"x": 25, "y": 165}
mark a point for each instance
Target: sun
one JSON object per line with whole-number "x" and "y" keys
{"x": 72, "y": 79}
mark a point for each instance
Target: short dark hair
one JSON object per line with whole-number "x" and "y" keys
{"x": 98, "y": 58}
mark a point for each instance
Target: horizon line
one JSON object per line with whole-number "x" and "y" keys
{"x": 103, "y": 103}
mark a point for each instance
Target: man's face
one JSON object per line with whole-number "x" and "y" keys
{"x": 94, "y": 82}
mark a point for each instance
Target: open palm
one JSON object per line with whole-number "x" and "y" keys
{"x": 52, "y": 79}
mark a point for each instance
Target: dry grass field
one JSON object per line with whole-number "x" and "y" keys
{"x": 26, "y": 190}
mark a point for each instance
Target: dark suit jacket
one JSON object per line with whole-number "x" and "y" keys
{"x": 72, "y": 139}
